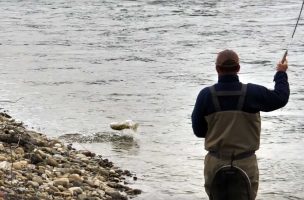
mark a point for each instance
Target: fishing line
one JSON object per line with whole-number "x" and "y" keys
{"x": 293, "y": 33}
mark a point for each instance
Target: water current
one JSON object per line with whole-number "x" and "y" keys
{"x": 75, "y": 66}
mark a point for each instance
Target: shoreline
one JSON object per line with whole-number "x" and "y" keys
{"x": 33, "y": 166}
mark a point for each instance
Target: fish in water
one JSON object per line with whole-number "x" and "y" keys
{"x": 127, "y": 124}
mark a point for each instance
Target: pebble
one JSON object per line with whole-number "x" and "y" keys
{"x": 19, "y": 150}
{"x": 61, "y": 181}
{"x": 75, "y": 190}
{"x": 52, "y": 162}
{"x": 38, "y": 180}
{"x": 5, "y": 165}
{"x": 34, "y": 184}
{"x": 2, "y": 148}
{"x": 75, "y": 178}
{"x": 2, "y": 158}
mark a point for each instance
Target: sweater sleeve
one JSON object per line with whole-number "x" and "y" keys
{"x": 199, "y": 124}
{"x": 266, "y": 100}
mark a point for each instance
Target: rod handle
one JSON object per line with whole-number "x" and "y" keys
{"x": 284, "y": 56}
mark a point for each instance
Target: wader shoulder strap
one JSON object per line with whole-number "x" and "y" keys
{"x": 242, "y": 97}
{"x": 215, "y": 99}
{"x": 241, "y": 93}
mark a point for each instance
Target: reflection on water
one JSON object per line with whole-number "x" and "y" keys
{"x": 80, "y": 65}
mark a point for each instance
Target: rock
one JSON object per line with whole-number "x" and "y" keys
{"x": 61, "y": 181}
{"x": 36, "y": 158}
{"x": 75, "y": 178}
{"x": 2, "y": 158}
{"x": 58, "y": 145}
{"x": 97, "y": 183}
{"x": 61, "y": 188}
{"x": 101, "y": 192}
{"x": 52, "y": 162}
{"x": 82, "y": 197}
{"x": 75, "y": 190}
{"x": 33, "y": 184}
{"x": 31, "y": 166}
{"x": 41, "y": 153}
{"x": 19, "y": 151}
{"x": 103, "y": 172}
{"x": 58, "y": 156}
{"x": 133, "y": 192}
{"x": 63, "y": 194}
{"x": 88, "y": 153}
{"x": 20, "y": 164}
{"x": 2, "y": 148}
{"x": 53, "y": 189}
{"x": 5, "y": 165}
{"x": 115, "y": 195}
{"x": 48, "y": 150}
{"x": 38, "y": 180}
{"x": 89, "y": 182}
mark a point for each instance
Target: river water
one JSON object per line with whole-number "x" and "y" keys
{"x": 80, "y": 65}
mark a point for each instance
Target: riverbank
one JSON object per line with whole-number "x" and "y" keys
{"x": 33, "y": 166}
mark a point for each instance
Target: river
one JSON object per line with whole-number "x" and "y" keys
{"x": 75, "y": 66}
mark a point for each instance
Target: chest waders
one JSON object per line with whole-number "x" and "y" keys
{"x": 231, "y": 182}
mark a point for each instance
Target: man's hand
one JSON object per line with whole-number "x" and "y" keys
{"x": 282, "y": 66}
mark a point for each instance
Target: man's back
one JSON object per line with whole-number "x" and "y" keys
{"x": 257, "y": 98}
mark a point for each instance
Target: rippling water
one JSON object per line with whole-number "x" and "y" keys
{"x": 80, "y": 65}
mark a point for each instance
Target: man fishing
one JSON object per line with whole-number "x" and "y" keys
{"x": 227, "y": 115}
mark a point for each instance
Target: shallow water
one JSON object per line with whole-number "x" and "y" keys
{"x": 80, "y": 65}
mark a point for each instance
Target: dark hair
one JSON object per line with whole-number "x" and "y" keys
{"x": 229, "y": 66}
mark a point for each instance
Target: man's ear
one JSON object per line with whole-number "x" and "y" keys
{"x": 238, "y": 68}
{"x": 218, "y": 69}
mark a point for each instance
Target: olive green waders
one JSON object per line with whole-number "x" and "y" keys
{"x": 232, "y": 138}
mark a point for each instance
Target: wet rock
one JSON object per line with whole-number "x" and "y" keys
{"x": 115, "y": 195}
{"x": 133, "y": 192}
{"x": 88, "y": 153}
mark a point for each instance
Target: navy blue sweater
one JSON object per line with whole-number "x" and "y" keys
{"x": 258, "y": 98}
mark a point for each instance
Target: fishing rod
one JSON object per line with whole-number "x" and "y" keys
{"x": 295, "y": 28}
